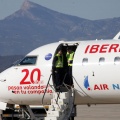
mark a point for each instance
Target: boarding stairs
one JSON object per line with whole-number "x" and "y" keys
{"x": 61, "y": 105}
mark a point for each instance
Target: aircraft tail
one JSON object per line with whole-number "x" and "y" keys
{"x": 117, "y": 36}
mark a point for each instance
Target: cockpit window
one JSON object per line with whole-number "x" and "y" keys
{"x": 28, "y": 60}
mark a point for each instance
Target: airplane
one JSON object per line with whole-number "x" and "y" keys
{"x": 31, "y": 81}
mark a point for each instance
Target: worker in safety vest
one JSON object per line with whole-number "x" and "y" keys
{"x": 58, "y": 68}
{"x": 70, "y": 56}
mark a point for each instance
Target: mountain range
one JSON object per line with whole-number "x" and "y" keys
{"x": 34, "y": 25}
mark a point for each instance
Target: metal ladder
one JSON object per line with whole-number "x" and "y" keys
{"x": 62, "y": 103}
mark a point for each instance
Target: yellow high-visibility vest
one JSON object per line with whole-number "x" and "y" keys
{"x": 70, "y": 57}
{"x": 59, "y": 62}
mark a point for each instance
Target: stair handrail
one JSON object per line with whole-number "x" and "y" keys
{"x": 67, "y": 117}
{"x": 73, "y": 94}
{"x": 46, "y": 88}
{"x": 79, "y": 86}
{"x": 58, "y": 94}
{"x": 73, "y": 91}
{"x": 66, "y": 85}
{"x": 54, "y": 89}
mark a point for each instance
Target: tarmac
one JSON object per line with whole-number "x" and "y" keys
{"x": 98, "y": 112}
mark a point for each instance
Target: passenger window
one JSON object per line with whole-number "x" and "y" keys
{"x": 85, "y": 61}
{"x": 101, "y": 60}
{"x": 117, "y": 60}
{"x": 28, "y": 60}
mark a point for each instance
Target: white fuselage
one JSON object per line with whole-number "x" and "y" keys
{"x": 96, "y": 73}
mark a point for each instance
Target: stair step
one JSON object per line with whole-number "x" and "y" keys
{"x": 63, "y": 101}
{"x": 61, "y": 104}
{"x": 51, "y": 108}
{"x": 60, "y": 101}
{"x": 61, "y": 95}
{"x": 57, "y": 107}
{"x": 51, "y": 118}
{"x": 53, "y": 113}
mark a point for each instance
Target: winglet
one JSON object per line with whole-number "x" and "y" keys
{"x": 117, "y": 36}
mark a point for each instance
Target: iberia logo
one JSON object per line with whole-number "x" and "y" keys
{"x": 86, "y": 83}
{"x": 95, "y": 86}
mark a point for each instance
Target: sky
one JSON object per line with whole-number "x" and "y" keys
{"x": 88, "y": 9}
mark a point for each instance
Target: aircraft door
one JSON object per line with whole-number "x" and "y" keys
{"x": 62, "y": 64}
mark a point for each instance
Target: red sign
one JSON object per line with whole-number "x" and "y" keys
{"x": 31, "y": 79}
{"x": 105, "y": 48}
{"x": 101, "y": 87}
